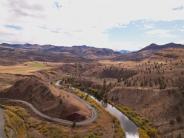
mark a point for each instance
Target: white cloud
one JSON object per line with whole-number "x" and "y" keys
{"x": 178, "y": 8}
{"x": 80, "y": 21}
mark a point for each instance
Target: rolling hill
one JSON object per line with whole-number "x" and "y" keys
{"x": 46, "y": 99}
{"x": 16, "y": 53}
{"x": 147, "y": 52}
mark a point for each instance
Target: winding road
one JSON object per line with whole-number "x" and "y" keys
{"x": 131, "y": 130}
{"x": 129, "y": 127}
{"x": 92, "y": 118}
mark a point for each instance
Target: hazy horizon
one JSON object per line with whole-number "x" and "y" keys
{"x": 90, "y": 46}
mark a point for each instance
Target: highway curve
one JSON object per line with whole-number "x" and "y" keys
{"x": 58, "y": 120}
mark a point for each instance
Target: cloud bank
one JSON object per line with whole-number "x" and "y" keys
{"x": 78, "y": 22}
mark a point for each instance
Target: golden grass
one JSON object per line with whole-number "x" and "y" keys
{"x": 20, "y": 124}
{"x": 25, "y": 68}
{"x": 14, "y": 124}
{"x": 143, "y": 134}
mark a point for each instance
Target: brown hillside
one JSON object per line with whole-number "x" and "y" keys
{"x": 45, "y": 100}
{"x": 164, "y": 108}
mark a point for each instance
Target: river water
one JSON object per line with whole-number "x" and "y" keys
{"x": 131, "y": 130}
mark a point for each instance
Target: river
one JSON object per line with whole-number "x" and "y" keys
{"x": 131, "y": 130}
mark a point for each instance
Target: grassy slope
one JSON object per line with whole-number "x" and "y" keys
{"x": 20, "y": 124}
{"x": 25, "y": 68}
{"x": 14, "y": 123}
{"x": 146, "y": 130}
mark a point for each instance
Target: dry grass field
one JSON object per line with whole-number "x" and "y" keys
{"x": 25, "y": 68}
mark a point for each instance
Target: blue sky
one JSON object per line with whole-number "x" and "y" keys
{"x": 14, "y": 27}
{"x": 116, "y": 24}
{"x": 143, "y": 31}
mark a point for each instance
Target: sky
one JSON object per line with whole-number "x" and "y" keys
{"x": 115, "y": 24}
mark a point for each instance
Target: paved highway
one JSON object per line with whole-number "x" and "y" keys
{"x": 92, "y": 118}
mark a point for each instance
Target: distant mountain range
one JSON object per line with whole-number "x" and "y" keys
{"x": 155, "y": 47}
{"x": 16, "y": 53}
{"x": 123, "y": 51}
{"x": 147, "y": 52}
